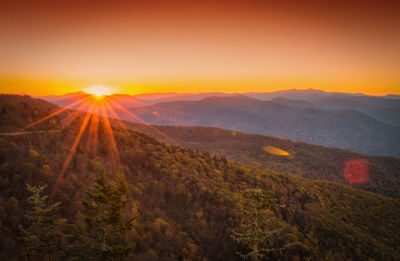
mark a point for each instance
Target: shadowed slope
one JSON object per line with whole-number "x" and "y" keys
{"x": 305, "y": 160}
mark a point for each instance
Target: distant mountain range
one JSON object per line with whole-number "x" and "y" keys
{"x": 311, "y": 95}
{"x": 342, "y": 128}
{"x": 360, "y": 123}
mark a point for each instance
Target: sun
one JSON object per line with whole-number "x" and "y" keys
{"x": 99, "y": 91}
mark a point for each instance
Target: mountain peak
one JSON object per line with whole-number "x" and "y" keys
{"x": 236, "y": 97}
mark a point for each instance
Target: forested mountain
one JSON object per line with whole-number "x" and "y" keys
{"x": 19, "y": 111}
{"x": 185, "y": 204}
{"x": 348, "y": 129}
{"x": 304, "y": 160}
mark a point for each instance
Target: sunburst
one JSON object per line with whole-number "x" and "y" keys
{"x": 98, "y": 109}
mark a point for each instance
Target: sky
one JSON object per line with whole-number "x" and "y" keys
{"x": 56, "y": 47}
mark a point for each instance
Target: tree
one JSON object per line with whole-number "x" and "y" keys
{"x": 106, "y": 230}
{"x": 261, "y": 231}
{"x": 42, "y": 240}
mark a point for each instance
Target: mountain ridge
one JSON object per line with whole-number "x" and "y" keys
{"x": 305, "y": 160}
{"x": 352, "y": 130}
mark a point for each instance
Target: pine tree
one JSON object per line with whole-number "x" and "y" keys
{"x": 261, "y": 230}
{"x": 105, "y": 239}
{"x": 42, "y": 240}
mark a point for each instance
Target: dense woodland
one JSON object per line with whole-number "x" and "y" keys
{"x": 157, "y": 201}
{"x": 305, "y": 160}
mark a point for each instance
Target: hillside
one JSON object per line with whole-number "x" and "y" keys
{"x": 186, "y": 202}
{"x": 18, "y": 111}
{"x": 305, "y": 160}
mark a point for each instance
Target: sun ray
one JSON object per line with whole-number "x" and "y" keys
{"x": 77, "y": 111}
{"x": 71, "y": 153}
{"x": 116, "y": 117}
{"x": 97, "y": 111}
{"x": 53, "y": 114}
{"x": 122, "y": 108}
{"x": 91, "y": 146}
{"x": 113, "y": 144}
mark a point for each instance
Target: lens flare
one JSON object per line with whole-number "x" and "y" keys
{"x": 356, "y": 171}
{"x": 275, "y": 151}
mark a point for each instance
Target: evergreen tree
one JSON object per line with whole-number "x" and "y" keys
{"x": 42, "y": 240}
{"x": 261, "y": 231}
{"x": 106, "y": 230}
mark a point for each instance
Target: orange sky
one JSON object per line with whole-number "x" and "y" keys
{"x": 54, "y": 47}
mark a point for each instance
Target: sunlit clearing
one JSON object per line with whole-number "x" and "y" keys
{"x": 275, "y": 151}
{"x": 356, "y": 171}
{"x": 99, "y": 91}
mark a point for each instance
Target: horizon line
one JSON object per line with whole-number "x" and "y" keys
{"x": 207, "y": 92}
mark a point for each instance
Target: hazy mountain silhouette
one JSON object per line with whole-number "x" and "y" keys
{"x": 311, "y": 95}
{"x": 361, "y": 123}
{"x": 342, "y": 128}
